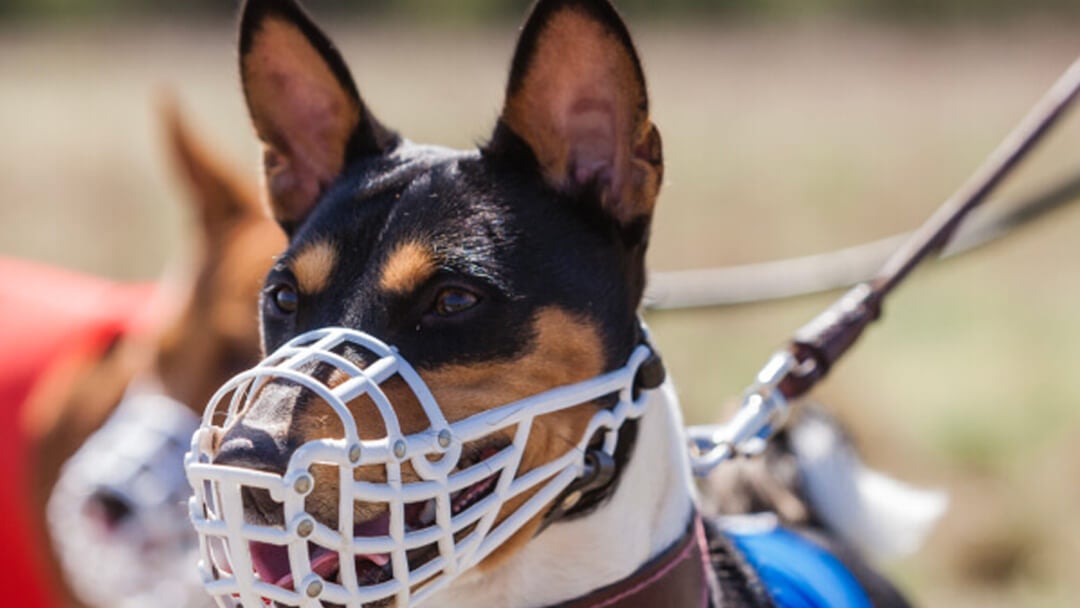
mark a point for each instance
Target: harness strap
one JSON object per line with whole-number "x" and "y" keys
{"x": 679, "y": 578}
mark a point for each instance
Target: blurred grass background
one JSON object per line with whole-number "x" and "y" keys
{"x": 789, "y": 127}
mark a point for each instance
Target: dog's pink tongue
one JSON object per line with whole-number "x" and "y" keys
{"x": 271, "y": 562}
{"x": 380, "y": 526}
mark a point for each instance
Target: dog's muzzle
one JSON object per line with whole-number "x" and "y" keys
{"x": 445, "y": 518}
{"x": 117, "y": 513}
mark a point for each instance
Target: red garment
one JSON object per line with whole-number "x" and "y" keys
{"x": 45, "y": 313}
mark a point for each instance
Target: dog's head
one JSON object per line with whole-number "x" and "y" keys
{"x": 499, "y": 273}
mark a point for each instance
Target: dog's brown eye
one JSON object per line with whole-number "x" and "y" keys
{"x": 286, "y": 299}
{"x": 453, "y": 300}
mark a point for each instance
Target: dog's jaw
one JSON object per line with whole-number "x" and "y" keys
{"x": 648, "y": 512}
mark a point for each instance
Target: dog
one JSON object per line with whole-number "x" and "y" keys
{"x": 460, "y": 406}
{"x": 108, "y": 426}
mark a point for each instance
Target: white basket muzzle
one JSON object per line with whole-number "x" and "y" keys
{"x": 139, "y": 553}
{"x": 443, "y": 516}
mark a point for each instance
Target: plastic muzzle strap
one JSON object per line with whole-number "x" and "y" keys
{"x": 403, "y": 556}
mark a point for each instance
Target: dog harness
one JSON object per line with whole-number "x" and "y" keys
{"x": 797, "y": 572}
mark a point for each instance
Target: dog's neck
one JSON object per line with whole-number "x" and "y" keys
{"x": 649, "y": 511}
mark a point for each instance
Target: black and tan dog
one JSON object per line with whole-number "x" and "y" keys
{"x": 500, "y": 273}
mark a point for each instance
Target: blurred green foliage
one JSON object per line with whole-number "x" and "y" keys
{"x": 487, "y": 10}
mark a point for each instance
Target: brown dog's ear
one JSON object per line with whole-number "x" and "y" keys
{"x": 304, "y": 105}
{"x": 577, "y": 99}
{"x": 220, "y": 194}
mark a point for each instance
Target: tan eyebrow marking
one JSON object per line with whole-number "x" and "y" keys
{"x": 407, "y": 268}
{"x": 313, "y": 265}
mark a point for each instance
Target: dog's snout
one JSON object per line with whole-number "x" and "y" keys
{"x": 108, "y": 508}
{"x": 252, "y": 447}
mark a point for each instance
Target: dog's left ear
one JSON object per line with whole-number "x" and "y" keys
{"x": 577, "y": 98}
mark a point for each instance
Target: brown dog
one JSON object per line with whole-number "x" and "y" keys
{"x": 210, "y": 333}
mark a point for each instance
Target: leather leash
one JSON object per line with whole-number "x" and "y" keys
{"x": 820, "y": 343}
{"x": 817, "y": 346}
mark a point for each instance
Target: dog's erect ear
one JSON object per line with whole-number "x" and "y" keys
{"x": 220, "y": 194}
{"x": 304, "y": 104}
{"x": 577, "y": 99}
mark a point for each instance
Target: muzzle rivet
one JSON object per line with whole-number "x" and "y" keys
{"x": 305, "y": 528}
{"x": 444, "y": 438}
{"x": 354, "y": 454}
{"x": 303, "y": 484}
{"x": 314, "y": 588}
{"x": 400, "y": 449}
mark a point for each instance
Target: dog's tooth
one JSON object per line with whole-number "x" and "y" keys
{"x": 428, "y": 514}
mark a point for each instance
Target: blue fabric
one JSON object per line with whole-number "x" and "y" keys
{"x": 797, "y": 572}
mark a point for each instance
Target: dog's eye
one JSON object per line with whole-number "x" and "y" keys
{"x": 285, "y": 298}
{"x": 454, "y": 300}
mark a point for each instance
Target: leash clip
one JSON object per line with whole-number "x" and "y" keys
{"x": 763, "y": 411}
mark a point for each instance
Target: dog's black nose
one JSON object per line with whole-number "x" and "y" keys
{"x": 251, "y": 447}
{"x": 110, "y": 509}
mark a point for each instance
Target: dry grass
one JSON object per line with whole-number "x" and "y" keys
{"x": 779, "y": 140}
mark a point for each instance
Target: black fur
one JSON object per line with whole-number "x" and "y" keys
{"x": 498, "y": 229}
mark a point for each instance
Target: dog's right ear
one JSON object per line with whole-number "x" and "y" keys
{"x": 304, "y": 105}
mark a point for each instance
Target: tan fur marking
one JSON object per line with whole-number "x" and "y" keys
{"x": 567, "y": 349}
{"x": 313, "y": 266}
{"x": 407, "y": 268}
